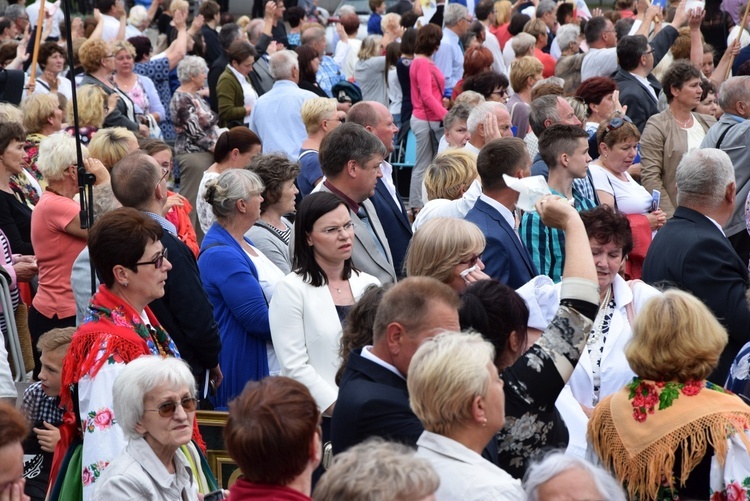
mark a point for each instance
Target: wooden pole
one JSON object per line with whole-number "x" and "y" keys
{"x": 739, "y": 37}
{"x": 37, "y": 39}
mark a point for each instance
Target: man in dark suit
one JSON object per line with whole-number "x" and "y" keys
{"x": 692, "y": 252}
{"x": 376, "y": 118}
{"x": 373, "y": 398}
{"x": 184, "y": 311}
{"x": 639, "y": 88}
{"x": 505, "y": 258}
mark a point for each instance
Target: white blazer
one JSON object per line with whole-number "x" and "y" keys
{"x": 306, "y": 330}
{"x": 615, "y": 371}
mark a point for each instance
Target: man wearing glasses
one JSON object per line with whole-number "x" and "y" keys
{"x": 184, "y": 310}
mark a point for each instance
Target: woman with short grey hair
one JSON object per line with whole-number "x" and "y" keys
{"x": 559, "y": 474}
{"x": 239, "y": 281}
{"x": 154, "y": 401}
{"x": 196, "y": 126}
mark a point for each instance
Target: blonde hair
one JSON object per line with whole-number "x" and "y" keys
{"x": 56, "y": 339}
{"x": 111, "y": 145}
{"x": 445, "y": 375}
{"x": 37, "y": 108}
{"x": 451, "y": 172}
{"x": 91, "y": 102}
{"x": 370, "y": 47}
{"x": 535, "y": 28}
{"x": 502, "y": 9}
{"x": 314, "y": 111}
{"x": 390, "y": 20}
{"x": 376, "y": 470}
{"x": 123, "y": 45}
{"x": 523, "y": 68}
{"x": 10, "y": 113}
{"x": 179, "y": 5}
{"x": 91, "y": 54}
{"x": 470, "y": 97}
{"x": 242, "y": 22}
{"x": 439, "y": 245}
{"x": 57, "y": 152}
{"x": 675, "y": 338}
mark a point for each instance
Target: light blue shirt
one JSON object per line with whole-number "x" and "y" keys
{"x": 450, "y": 60}
{"x": 277, "y": 121}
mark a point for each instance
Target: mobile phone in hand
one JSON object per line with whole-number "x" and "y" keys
{"x": 655, "y": 199}
{"x": 214, "y": 496}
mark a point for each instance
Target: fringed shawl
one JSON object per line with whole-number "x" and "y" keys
{"x": 638, "y": 431}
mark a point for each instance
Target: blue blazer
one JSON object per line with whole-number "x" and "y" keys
{"x": 395, "y": 225}
{"x": 505, "y": 258}
{"x": 240, "y": 310}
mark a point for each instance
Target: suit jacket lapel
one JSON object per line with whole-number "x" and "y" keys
{"x": 399, "y": 209}
{"x": 512, "y": 235}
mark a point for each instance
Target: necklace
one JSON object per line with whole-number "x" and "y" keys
{"x": 337, "y": 289}
{"x": 596, "y": 332}
{"x": 684, "y": 125}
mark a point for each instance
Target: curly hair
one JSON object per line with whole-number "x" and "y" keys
{"x": 46, "y": 50}
{"x": 605, "y": 224}
{"x": 274, "y": 170}
{"x": 91, "y": 54}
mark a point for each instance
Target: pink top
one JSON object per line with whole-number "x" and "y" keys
{"x": 427, "y": 86}
{"x": 55, "y": 251}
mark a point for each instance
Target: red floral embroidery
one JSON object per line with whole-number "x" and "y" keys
{"x": 646, "y": 395}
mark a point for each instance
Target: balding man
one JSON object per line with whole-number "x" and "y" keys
{"x": 329, "y": 73}
{"x": 276, "y": 117}
{"x": 373, "y": 398}
{"x": 692, "y": 252}
{"x": 486, "y": 122}
{"x": 376, "y": 118}
{"x": 730, "y": 135}
{"x": 184, "y": 311}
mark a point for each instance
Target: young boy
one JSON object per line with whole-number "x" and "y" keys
{"x": 564, "y": 148}
{"x": 456, "y": 131}
{"x": 41, "y": 406}
{"x": 377, "y": 7}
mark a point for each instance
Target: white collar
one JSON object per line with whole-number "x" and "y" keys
{"x": 369, "y": 355}
{"x": 503, "y": 210}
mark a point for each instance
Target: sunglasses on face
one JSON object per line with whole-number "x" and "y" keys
{"x": 615, "y": 124}
{"x": 158, "y": 261}
{"x": 472, "y": 261}
{"x": 167, "y": 409}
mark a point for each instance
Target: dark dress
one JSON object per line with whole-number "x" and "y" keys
{"x": 312, "y": 87}
{"x": 15, "y": 221}
{"x": 532, "y": 385}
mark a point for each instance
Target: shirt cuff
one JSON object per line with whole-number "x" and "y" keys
{"x": 579, "y": 288}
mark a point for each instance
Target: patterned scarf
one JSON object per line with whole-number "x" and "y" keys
{"x": 637, "y": 431}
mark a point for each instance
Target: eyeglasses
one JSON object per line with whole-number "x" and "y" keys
{"x": 500, "y": 92}
{"x": 164, "y": 173}
{"x": 108, "y": 56}
{"x": 472, "y": 261}
{"x": 337, "y": 118}
{"x": 334, "y": 230}
{"x": 167, "y": 409}
{"x": 615, "y": 124}
{"x": 158, "y": 261}
{"x": 650, "y": 51}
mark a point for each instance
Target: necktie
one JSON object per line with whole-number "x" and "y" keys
{"x": 362, "y": 215}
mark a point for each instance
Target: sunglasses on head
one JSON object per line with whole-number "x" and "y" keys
{"x": 615, "y": 124}
{"x": 167, "y": 409}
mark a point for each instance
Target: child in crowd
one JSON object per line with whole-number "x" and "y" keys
{"x": 41, "y": 406}
{"x": 377, "y": 7}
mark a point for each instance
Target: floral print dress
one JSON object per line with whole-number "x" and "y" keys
{"x": 532, "y": 385}
{"x": 194, "y": 122}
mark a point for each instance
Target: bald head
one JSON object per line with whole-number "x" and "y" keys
{"x": 134, "y": 181}
{"x": 376, "y": 118}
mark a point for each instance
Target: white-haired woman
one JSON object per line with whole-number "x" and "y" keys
{"x": 194, "y": 123}
{"x": 154, "y": 401}
{"x": 138, "y": 20}
{"x": 56, "y": 234}
{"x": 456, "y": 392}
{"x": 370, "y": 70}
{"x": 557, "y": 475}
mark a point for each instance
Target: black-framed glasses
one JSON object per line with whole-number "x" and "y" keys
{"x": 649, "y": 51}
{"x": 472, "y": 261}
{"x": 164, "y": 173}
{"x": 158, "y": 261}
{"x": 615, "y": 124}
{"x": 167, "y": 409}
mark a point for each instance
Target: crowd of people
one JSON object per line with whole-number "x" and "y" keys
{"x": 551, "y": 301}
